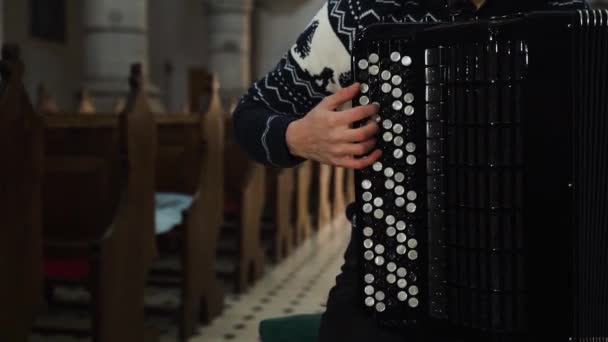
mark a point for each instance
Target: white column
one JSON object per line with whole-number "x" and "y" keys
{"x": 115, "y": 36}
{"x": 229, "y": 44}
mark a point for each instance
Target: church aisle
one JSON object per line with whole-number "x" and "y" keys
{"x": 299, "y": 285}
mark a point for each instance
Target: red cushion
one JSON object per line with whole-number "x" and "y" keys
{"x": 69, "y": 269}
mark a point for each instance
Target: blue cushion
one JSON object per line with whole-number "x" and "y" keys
{"x": 300, "y": 328}
{"x": 169, "y": 210}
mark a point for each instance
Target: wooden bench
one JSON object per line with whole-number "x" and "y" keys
{"x": 22, "y": 149}
{"x": 339, "y": 193}
{"x": 99, "y": 212}
{"x": 190, "y": 166}
{"x": 323, "y": 181}
{"x": 303, "y": 218}
{"x": 242, "y": 257}
{"x": 278, "y": 230}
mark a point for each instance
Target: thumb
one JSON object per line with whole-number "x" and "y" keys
{"x": 343, "y": 96}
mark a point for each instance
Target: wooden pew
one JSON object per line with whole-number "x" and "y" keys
{"x": 350, "y": 186}
{"x": 21, "y": 151}
{"x": 99, "y": 212}
{"x": 339, "y": 195}
{"x": 324, "y": 179}
{"x": 303, "y": 215}
{"x": 242, "y": 257}
{"x": 278, "y": 231}
{"x": 190, "y": 162}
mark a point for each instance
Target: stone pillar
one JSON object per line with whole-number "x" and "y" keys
{"x": 229, "y": 45}
{"x": 115, "y": 36}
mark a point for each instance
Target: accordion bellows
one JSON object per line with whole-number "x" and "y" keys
{"x": 488, "y": 212}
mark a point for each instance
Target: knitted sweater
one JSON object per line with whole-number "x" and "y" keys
{"x": 319, "y": 64}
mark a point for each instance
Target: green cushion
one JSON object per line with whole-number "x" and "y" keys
{"x": 300, "y": 328}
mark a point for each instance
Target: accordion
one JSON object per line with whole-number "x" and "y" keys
{"x": 487, "y": 214}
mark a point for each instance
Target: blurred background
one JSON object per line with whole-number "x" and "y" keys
{"x": 129, "y": 212}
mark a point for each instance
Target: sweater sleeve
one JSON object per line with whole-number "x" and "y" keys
{"x": 317, "y": 65}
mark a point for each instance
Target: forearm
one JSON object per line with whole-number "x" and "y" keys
{"x": 261, "y": 133}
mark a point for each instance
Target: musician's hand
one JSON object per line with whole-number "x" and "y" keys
{"x": 325, "y": 134}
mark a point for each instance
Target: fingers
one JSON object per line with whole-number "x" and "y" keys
{"x": 359, "y": 149}
{"x": 362, "y": 163}
{"x": 357, "y": 114}
{"x": 363, "y": 133}
{"x": 338, "y": 99}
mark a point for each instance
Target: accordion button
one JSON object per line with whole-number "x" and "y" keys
{"x": 402, "y": 283}
{"x": 401, "y": 250}
{"x": 411, "y": 159}
{"x": 412, "y": 255}
{"x": 398, "y": 128}
{"x": 391, "y": 267}
{"x": 413, "y": 243}
{"x": 400, "y": 202}
{"x": 411, "y": 208}
{"x": 380, "y": 296}
{"x": 406, "y": 61}
{"x": 397, "y": 80}
{"x": 378, "y": 202}
{"x": 387, "y": 124}
{"x": 386, "y": 75}
{"x": 366, "y": 184}
{"x": 399, "y": 141}
{"x": 389, "y": 172}
{"x": 364, "y": 100}
{"x": 412, "y": 195}
{"x": 386, "y": 88}
{"x": 369, "y": 278}
{"x": 401, "y": 238}
{"x": 363, "y": 64}
{"x": 369, "y": 301}
{"x": 374, "y": 58}
{"x": 379, "y": 249}
{"x": 367, "y": 196}
{"x": 379, "y": 260}
{"x": 377, "y": 166}
{"x": 391, "y": 231}
{"x": 413, "y": 290}
{"x": 413, "y": 303}
{"x": 367, "y": 208}
{"x": 389, "y": 184}
{"x": 387, "y": 136}
{"x": 402, "y": 296}
{"x": 399, "y": 190}
{"x": 409, "y": 110}
{"x": 399, "y": 177}
{"x": 368, "y": 243}
{"x": 369, "y": 290}
{"x": 408, "y": 98}
{"x": 410, "y": 147}
{"x": 390, "y": 220}
{"x": 368, "y": 255}
{"x": 397, "y": 93}
{"x": 374, "y": 70}
{"x": 380, "y": 307}
{"x": 397, "y": 105}
{"x": 401, "y": 225}
{"x": 395, "y": 56}
{"x": 402, "y": 272}
{"x": 398, "y": 154}
{"x": 391, "y": 279}
{"x": 378, "y": 213}
{"x": 364, "y": 88}
{"x": 368, "y": 232}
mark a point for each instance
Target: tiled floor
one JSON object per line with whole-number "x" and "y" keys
{"x": 298, "y": 285}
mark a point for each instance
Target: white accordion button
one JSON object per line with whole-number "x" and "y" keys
{"x": 409, "y": 110}
{"x": 397, "y": 80}
{"x": 412, "y": 195}
{"x": 386, "y": 75}
{"x": 402, "y": 272}
{"x": 411, "y": 159}
{"x": 410, "y": 147}
{"x": 367, "y": 208}
{"x": 379, "y": 260}
{"x": 401, "y": 250}
{"x": 406, "y": 61}
{"x": 398, "y": 128}
{"x": 369, "y": 301}
{"x": 413, "y": 243}
{"x": 363, "y": 64}
{"x": 378, "y": 213}
{"x": 366, "y": 184}
{"x": 389, "y": 184}
{"x": 401, "y": 238}
{"x": 413, "y": 302}
{"x": 408, "y": 98}
{"x": 399, "y": 190}
{"x": 395, "y": 56}
{"x": 397, "y": 92}
{"x": 402, "y": 296}
{"x": 377, "y": 166}
{"x": 369, "y": 290}
{"x": 387, "y": 136}
{"x": 386, "y": 88}
{"x": 380, "y": 307}
{"x": 391, "y": 279}
{"x": 368, "y": 243}
{"x": 364, "y": 100}
{"x": 374, "y": 58}
{"x": 401, "y": 225}
{"x": 414, "y": 290}
{"x": 367, "y": 196}
{"x": 391, "y": 231}
{"x": 368, "y": 232}
{"x": 368, "y": 255}
{"x": 391, "y": 267}
{"x": 400, "y": 202}
{"x": 380, "y": 296}
{"x": 390, "y": 220}
{"x": 411, "y": 208}
{"x": 402, "y": 283}
{"x": 389, "y": 172}
{"x": 387, "y": 124}
{"x": 369, "y": 278}
{"x": 378, "y": 202}
{"x": 398, "y": 154}
{"x": 397, "y": 105}
{"x": 399, "y": 177}
{"x": 364, "y": 88}
{"x": 379, "y": 249}
{"x": 412, "y": 255}
{"x": 374, "y": 70}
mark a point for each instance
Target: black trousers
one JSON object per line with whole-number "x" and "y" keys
{"x": 345, "y": 319}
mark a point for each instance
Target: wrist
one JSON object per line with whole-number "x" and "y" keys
{"x": 293, "y": 138}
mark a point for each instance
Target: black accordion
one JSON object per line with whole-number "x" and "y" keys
{"x": 488, "y": 212}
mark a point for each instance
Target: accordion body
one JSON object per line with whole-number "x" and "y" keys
{"x": 487, "y": 214}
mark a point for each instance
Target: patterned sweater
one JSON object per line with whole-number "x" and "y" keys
{"x": 319, "y": 63}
